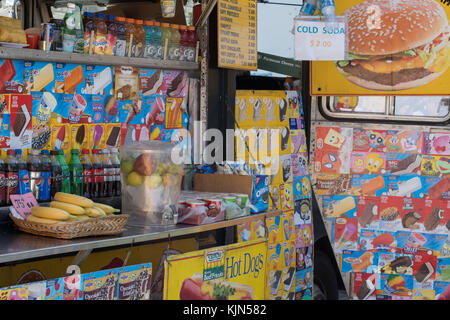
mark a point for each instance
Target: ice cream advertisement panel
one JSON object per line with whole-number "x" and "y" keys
{"x": 395, "y": 47}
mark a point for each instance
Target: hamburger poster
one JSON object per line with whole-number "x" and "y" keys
{"x": 233, "y": 272}
{"x": 395, "y": 47}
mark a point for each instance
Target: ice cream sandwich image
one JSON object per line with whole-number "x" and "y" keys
{"x": 113, "y": 137}
{"x": 398, "y": 265}
{"x": 368, "y": 214}
{"x": 288, "y": 279}
{"x": 257, "y": 110}
{"x": 409, "y": 220}
{"x": 274, "y": 283}
{"x": 101, "y": 81}
{"x": 389, "y": 214}
{"x": 433, "y": 220}
{"x": 22, "y": 120}
{"x": 424, "y": 272}
{"x": 365, "y": 290}
{"x": 407, "y": 165}
{"x": 340, "y": 207}
{"x": 43, "y": 77}
{"x": 406, "y": 188}
{"x": 153, "y": 84}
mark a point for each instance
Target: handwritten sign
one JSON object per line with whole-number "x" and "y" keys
{"x": 319, "y": 40}
{"x": 23, "y": 203}
{"x": 237, "y": 46}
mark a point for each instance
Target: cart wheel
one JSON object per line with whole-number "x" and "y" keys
{"x": 325, "y": 281}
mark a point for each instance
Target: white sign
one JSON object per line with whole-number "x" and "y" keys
{"x": 320, "y": 40}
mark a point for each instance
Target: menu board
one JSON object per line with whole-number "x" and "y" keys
{"x": 237, "y": 34}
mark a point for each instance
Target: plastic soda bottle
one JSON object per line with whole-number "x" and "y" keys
{"x": 157, "y": 41}
{"x": 98, "y": 174}
{"x": 100, "y": 34}
{"x": 139, "y": 39}
{"x": 24, "y": 176}
{"x": 12, "y": 174}
{"x": 165, "y": 38}
{"x": 76, "y": 172}
{"x": 79, "y": 33}
{"x": 148, "y": 49}
{"x": 192, "y": 43}
{"x": 109, "y": 173}
{"x": 88, "y": 173}
{"x": 56, "y": 183}
{"x": 65, "y": 172}
{"x": 33, "y": 165}
{"x": 174, "y": 43}
{"x": 116, "y": 166}
{"x": 46, "y": 176}
{"x": 111, "y": 35}
{"x": 131, "y": 33}
{"x": 121, "y": 39}
{"x": 89, "y": 32}
{"x": 184, "y": 43}
{"x": 3, "y": 170}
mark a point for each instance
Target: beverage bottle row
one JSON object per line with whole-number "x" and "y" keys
{"x": 45, "y": 173}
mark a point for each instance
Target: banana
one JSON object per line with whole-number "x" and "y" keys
{"x": 108, "y": 209}
{"x": 32, "y": 218}
{"x": 95, "y": 213}
{"x": 74, "y": 199}
{"x": 100, "y": 209}
{"x": 50, "y": 213}
{"x": 83, "y": 217}
{"x": 70, "y": 208}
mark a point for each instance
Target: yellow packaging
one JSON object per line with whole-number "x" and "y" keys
{"x": 79, "y": 136}
{"x": 275, "y": 197}
{"x": 240, "y": 266}
{"x": 287, "y": 196}
{"x": 97, "y": 136}
{"x": 251, "y": 230}
{"x": 112, "y": 135}
{"x": 60, "y": 137}
{"x": 281, "y": 269}
{"x": 250, "y": 109}
{"x": 274, "y": 229}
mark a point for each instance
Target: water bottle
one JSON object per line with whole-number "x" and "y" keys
{"x": 308, "y": 8}
{"x": 328, "y": 9}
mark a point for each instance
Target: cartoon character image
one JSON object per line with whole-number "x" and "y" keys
{"x": 374, "y": 162}
{"x": 306, "y": 235}
{"x": 303, "y": 164}
{"x": 287, "y": 197}
{"x": 376, "y": 140}
{"x": 441, "y": 144}
{"x": 334, "y": 139}
{"x": 358, "y": 165}
{"x": 409, "y": 144}
{"x": 306, "y": 186}
{"x": 443, "y": 165}
{"x": 330, "y": 162}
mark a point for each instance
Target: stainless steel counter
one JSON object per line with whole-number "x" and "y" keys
{"x": 16, "y": 245}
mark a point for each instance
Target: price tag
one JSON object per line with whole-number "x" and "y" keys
{"x": 23, "y": 203}
{"x": 320, "y": 40}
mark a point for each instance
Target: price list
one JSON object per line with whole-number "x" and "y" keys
{"x": 237, "y": 34}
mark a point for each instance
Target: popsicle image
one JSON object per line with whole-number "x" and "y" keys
{"x": 341, "y": 207}
{"x": 406, "y": 188}
{"x": 173, "y": 114}
{"x": 60, "y": 137}
{"x": 73, "y": 79}
{"x": 242, "y": 111}
{"x": 144, "y": 134}
{"x": 101, "y": 81}
{"x": 7, "y": 73}
{"x": 98, "y": 132}
{"x": 346, "y": 236}
{"x": 373, "y": 185}
{"x": 156, "y": 116}
{"x": 43, "y": 77}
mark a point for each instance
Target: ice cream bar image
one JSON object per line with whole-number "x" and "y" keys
{"x": 101, "y": 80}
{"x": 257, "y": 110}
{"x": 407, "y": 187}
{"x": 60, "y": 137}
{"x": 365, "y": 290}
{"x": 275, "y": 282}
{"x": 349, "y": 231}
{"x": 242, "y": 111}
{"x": 407, "y": 165}
{"x": 22, "y": 120}
{"x": 43, "y": 77}
{"x": 144, "y": 134}
{"x": 98, "y": 132}
{"x": 153, "y": 83}
{"x": 288, "y": 279}
{"x": 424, "y": 272}
{"x": 363, "y": 262}
{"x": 437, "y": 191}
{"x": 400, "y": 262}
{"x": 383, "y": 240}
{"x": 283, "y": 109}
{"x": 81, "y": 133}
{"x": 342, "y": 206}
{"x": 369, "y": 213}
{"x": 113, "y": 137}
{"x": 73, "y": 79}
{"x": 270, "y": 111}
{"x": 433, "y": 220}
{"x": 7, "y": 73}
{"x": 373, "y": 185}
{"x": 410, "y": 218}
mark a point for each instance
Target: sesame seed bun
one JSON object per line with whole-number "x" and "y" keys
{"x": 402, "y": 25}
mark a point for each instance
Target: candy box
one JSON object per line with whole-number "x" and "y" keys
{"x": 436, "y": 143}
{"x": 12, "y": 76}
{"x": 98, "y": 80}
{"x": 404, "y": 141}
{"x": 403, "y": 163}
{"x": 39, "y": 76}
{"x": 101, "y": 285}
{"x": 364, "y": 286}
{"x": 135, "y": 282}
{"x": 368, "y": 140}
{"x": 69, "y": 78}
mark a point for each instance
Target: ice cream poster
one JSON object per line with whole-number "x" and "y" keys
{"x": 98, "y": 80}
{"x": 359, "y": 261}
{"x": 21, "y": 125}
{"x": 11, "y": 72}
{"x": 389, "y": 56}
{"x": 239, "y": 269}
{"x": 39, "y": 76}
{"x": 395, "y": 284}
{"x": 69, "y": 78}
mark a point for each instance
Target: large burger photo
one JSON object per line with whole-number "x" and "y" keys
{"x": 396, "y": 44}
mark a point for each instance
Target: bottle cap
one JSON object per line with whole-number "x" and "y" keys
{"x": 44, "y": 152}
{"x": 164, "y": 24}
{"x": 100, "y": 15}
{"x": 156, "y": 23}
{"x": 148, "y": 23}
{"x": 139, "y": 21}
{"x": 19, "y": 151}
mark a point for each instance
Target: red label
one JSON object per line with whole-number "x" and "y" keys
{"x": 99, "y": 175}
{"x": 87, "y": 175}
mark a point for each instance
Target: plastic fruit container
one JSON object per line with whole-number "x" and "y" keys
{"x": 151, "y": 183}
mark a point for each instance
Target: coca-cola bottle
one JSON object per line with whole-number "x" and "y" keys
{"x": 99, "y": 179}
{"x": 116, "y": 166}
{"x": 12, "y": 174}
{"x": 88, "y": 173}
{"x": 56, "y": 184}
{"x": 3, "y": 169}
{"x": 109, "y": 174}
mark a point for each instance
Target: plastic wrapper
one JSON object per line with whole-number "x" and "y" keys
{"x": 151, "y": 182}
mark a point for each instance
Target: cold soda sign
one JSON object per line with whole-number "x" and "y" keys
{"x": 319, "y": 40}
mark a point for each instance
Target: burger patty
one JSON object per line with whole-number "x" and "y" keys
{"x": 389, "y": 79}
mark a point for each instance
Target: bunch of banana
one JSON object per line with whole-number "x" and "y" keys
{"x": 69, "y": 207}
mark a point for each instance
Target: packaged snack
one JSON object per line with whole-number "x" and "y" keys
{"x": 54, "y": 290}
{"x": 113, "y": 135}
{"x": 173, "y": 112}
{"x": 345, "y": 234}
{"x": 302, "y": 212}
{"x": 20, "y": 121}
{"x": 395, "y": 263}
{"x": 79, "y": 136}
{"x": 111, "y": 110}
{"x": 156, "y": 105}
{"x": 367, "y": 163}
{"x": 98, "y": 80}
{"x": 395, "y": 284}
{"x": 260, "y": 194}
{"x": 39, "y": 76}
{"x": 69, "y": 78}
{"x": 11, "y": 80}
{"x": 436, "y": 143}
{"x": 404, "y": 141}
{"x": 150, "y": 81}
{"x": 135, "y": 282}
{"x": 126, "y": 82}
{"x": 303, "y": 235}
{"x": 97, "y": 136}
{"x": 301, "y": 187}
{"x": 368, "y": 140}
{"x": 334, "y": 138}
{"x": 73, "y": 287}
{"x": 435, "y": 166}
{"x": 424, "y": 270}
{"x": 368, "y": 212}
{"x": 339, "y": 206}
{"x": 403, "y": 163}
{"x": 364, "y": 286}
{"x": 359, "y": 261}
{"x": 60, "y": 137}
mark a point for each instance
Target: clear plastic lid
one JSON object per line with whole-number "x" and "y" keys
{"x": 149, "y": 146}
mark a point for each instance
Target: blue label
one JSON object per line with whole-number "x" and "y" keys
{"x": 44, "y": 188}
{"x": 24, "y": 182}
{"x": 309, "y": 9}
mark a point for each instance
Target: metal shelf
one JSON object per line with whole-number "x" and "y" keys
{"x": 65, "y": 57}
{"x": 17, "y": 245}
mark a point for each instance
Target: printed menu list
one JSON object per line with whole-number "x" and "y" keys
{"x": 237, "y": 34}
